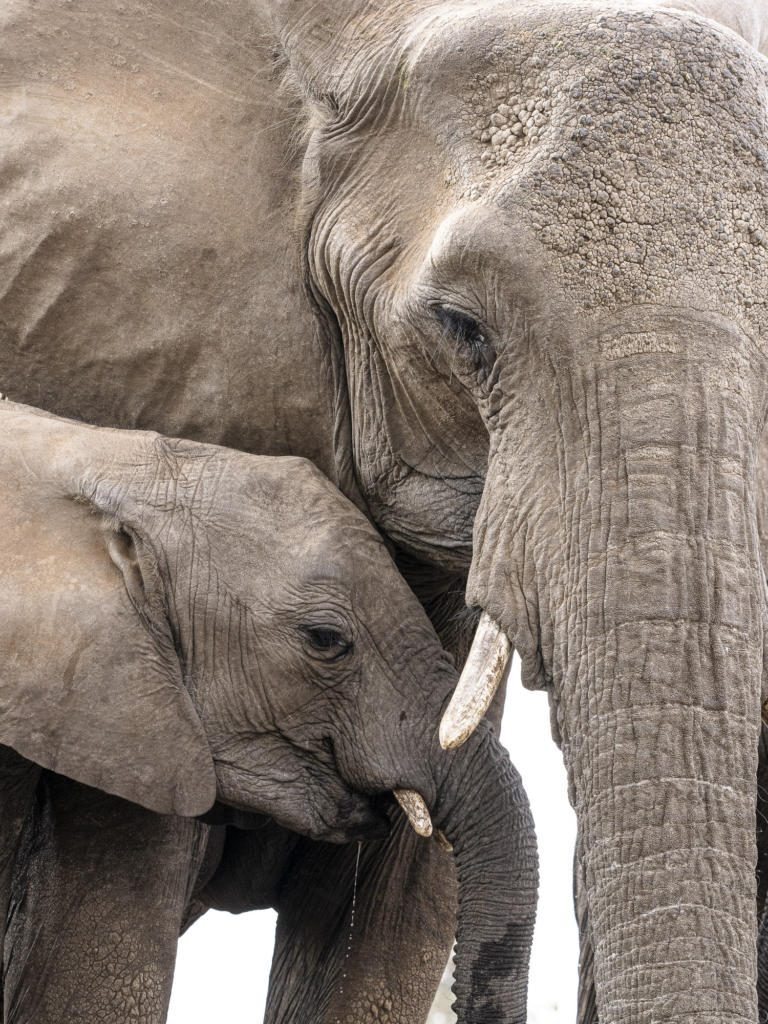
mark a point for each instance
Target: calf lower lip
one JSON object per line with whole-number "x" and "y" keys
{"x": 361, "y": 822}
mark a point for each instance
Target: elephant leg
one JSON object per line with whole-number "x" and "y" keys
{"x": 386, "y": 967}
{"x": 587, "y": 1006}
{"x": 762, "y": 967}
{"x": 97, "y": 900}
{"x": 762, "y": 873}
{"x": 18, "y": 781}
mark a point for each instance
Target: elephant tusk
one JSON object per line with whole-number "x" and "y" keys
{"x": 416, "y": 809}
{"x": 442, "y": 841}
{"x": 479, "y": 681}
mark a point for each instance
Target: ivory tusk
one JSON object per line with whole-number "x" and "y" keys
{"x": 416, "y": 809}
{"x": 478, "y": 683}
{"x": 442, "y": 841}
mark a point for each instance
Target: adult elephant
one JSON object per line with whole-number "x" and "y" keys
{"x": 506, "y": 258}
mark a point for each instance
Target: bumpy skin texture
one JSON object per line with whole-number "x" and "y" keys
{"x": 180, "y": 622}
{"x": 75, "y": 951}
{"x": 554, "y": 315}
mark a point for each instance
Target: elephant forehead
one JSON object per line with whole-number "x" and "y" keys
{"x": 299, "y": 548}
{"x": 634, "y": 144}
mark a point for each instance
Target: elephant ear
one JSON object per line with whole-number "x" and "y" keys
{"x": 90, "y": 685}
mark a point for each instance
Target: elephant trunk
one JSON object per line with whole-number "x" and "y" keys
{"x": 659, "y": 713}
{"x": 664, "y": 789}
{"x": 633, "y": 589}
{"x": 483, "y": 810}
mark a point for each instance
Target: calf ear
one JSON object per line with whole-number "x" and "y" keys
{"x": 90, "y": 685}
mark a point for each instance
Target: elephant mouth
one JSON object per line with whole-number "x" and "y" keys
{"x": 301, "y": 793}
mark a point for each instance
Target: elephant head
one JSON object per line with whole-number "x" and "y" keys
{"x": 538, "y": 233}
{"x": 181, "y": 621}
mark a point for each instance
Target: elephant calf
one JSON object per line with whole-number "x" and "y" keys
{"x": 179, "y": 624}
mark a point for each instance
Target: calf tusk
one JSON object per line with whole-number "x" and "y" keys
{"x": 478, "y": 683}
{"x": 442, "y": 841}
{"x": 416, "y": 809}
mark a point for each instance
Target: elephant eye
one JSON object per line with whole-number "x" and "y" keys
{"x": 327, "y": 641}
{"x": 472, "y": 352}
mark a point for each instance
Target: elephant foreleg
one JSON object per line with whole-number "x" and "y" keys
{"x": 97, "y": 901}
{"x": 386, "y": 968}
{"x": 587, "y": 1006}
{"x": 762, "y": 873}
{"x": 18, "y": 780}
{"x": 762, "y": 967}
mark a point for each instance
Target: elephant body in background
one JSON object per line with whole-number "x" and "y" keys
{"x": 747, "y": 18}
{"x": 498, "y": 269}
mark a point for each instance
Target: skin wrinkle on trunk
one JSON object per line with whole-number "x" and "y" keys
{"x": 483, "y": 810}
{"x": 657, "y": 612}
{"x": 638, "y": 802}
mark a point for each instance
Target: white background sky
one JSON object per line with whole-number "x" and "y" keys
{"x": 223, "y": 962}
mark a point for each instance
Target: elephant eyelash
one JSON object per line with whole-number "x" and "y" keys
{"x": 328, "y": 641}
{"x": 464, "y": 328}
{"x": 470, "y": 342}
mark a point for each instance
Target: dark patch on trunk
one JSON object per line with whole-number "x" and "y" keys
{"x": 495, "y": 959}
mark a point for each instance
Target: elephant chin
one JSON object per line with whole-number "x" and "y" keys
{"x": 358, "y": 820}
{"x": 301, "y": 793}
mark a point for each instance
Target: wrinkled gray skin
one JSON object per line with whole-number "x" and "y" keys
{"x": 537, "y": 359}
{"x": 181, "y": 624}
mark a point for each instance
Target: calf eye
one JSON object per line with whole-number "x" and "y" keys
{"x": 472, "y": 352}
{"x": 328, "y": 642}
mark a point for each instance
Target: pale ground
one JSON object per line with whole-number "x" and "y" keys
{"x": 223, "y": 962}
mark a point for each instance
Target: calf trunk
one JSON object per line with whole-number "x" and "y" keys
{"x": 484, "y": 811}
